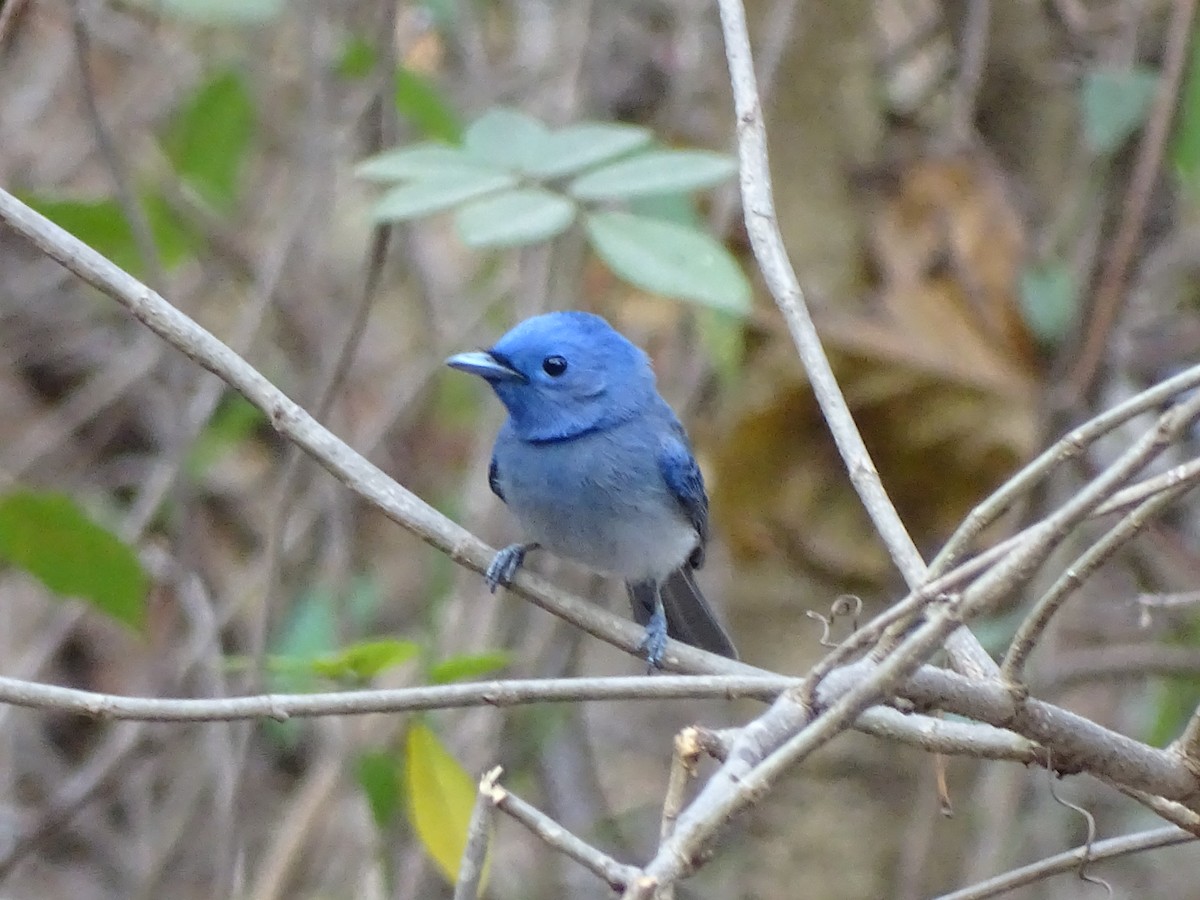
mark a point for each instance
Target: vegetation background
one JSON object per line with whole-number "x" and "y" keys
{"x": 954, "y": 181}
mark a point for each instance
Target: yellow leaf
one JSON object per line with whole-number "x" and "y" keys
{"x": 440, "y": 797}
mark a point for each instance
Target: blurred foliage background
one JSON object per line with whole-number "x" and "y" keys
{"x": 951, "y": 185}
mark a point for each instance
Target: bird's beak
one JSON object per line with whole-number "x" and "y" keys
{"x": 486, "y": 366}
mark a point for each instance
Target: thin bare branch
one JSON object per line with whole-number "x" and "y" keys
{"x": 1070, "y": 446}
{"x": 470, "y": 870}
{"x": 683, "y": 770}
{"x": 1035, "y": 624}
{"x": 1136, "y": 493}
{"x": 617, "y": 875}
{"x": 449, "y": 696}
{"x": 1069, "y": 861}
{"x": 1175, "y": 813}
{"x": 1078, "y": 744}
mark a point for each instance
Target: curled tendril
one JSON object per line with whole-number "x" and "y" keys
{"x": 844, "y": 605}
{"x": 1086, "y": 860}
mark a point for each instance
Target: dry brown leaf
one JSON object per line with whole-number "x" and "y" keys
{"x": 939, "y": 374}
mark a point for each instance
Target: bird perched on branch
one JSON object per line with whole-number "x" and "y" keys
{"x": 597, "y": 469}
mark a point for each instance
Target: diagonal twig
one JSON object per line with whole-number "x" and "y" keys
{"x": 1070, "y": 860}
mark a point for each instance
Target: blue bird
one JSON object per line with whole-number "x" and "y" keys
{"x": 597, "y": 469}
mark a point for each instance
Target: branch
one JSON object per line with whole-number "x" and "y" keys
{"x": 1175, "y": 813}
{"x": 1035, "y": 624}
{"x": 1069, "y": 446}
{"x": 1065, "y": 862}
{"x": 616, "y": 874}
{"x": 1077, "y": 744}
{"x": 470, "y": 870}
{"x": 449, "y": 696}
{"x": 980, "y": 741}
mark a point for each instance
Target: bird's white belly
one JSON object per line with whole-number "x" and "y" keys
{"x": 637, "y": 539}
{"x": 638, "y": 548}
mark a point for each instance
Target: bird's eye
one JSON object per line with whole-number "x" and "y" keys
{"x": 554, "y": 366}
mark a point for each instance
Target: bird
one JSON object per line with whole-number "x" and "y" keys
{"x": 597, "y": 469}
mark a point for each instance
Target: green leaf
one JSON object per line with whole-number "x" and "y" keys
{"x": 422, "y": 198}
{"x": 357, "y": 58}
{"x": 208, "y": 138}
{"x": 677, "y": 208}
{"x": 654, "y": 172}
{"x": 379, "y": 778}
{"x": 420, "y": 161}
{"x": 578, "y": 147}
{"x": 462, "y": 668}
{"x": 1173, "y": 703}
{"x": 507, "y": 138}
{"x": 1185, "y": 146}
{"x": 48, "y": 535}
{"x": 216, "y": 12}
{"x": 512, "y": 218}
{"x": 419, "y": 101}
{"x": 1115, "y": 103}
{"x": 670, "y": 259}
{"x": 174, "y": 241}
{"x": 98, "y": 223}
{"x": 364, "y": 660}
{"x": 1048, "y": 300}
{"x": 440, "y": 796}
{"x": 723, "y": 337}
{"x": 309, "y": 631}
{"x": 102, "y": 225}
{"x": 235, "y": 420}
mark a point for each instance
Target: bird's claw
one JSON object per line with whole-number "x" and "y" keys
{"x": 654, "y": 644}
{"x": 500, "y": 573}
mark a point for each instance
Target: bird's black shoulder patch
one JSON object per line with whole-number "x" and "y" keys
{"x": 494, "y": 479}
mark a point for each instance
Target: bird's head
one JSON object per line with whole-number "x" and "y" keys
{"x": 563, "y": 374}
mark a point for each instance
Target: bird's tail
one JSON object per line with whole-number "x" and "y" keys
{"x": 689, "y": 617}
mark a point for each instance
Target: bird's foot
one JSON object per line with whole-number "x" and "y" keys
{"x": 500, "y": 573}
{"x": 654, "y": 644}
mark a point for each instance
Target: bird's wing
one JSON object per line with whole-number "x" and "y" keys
{"x": 494, "y": 478}
{"x": 682, "y": 475}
